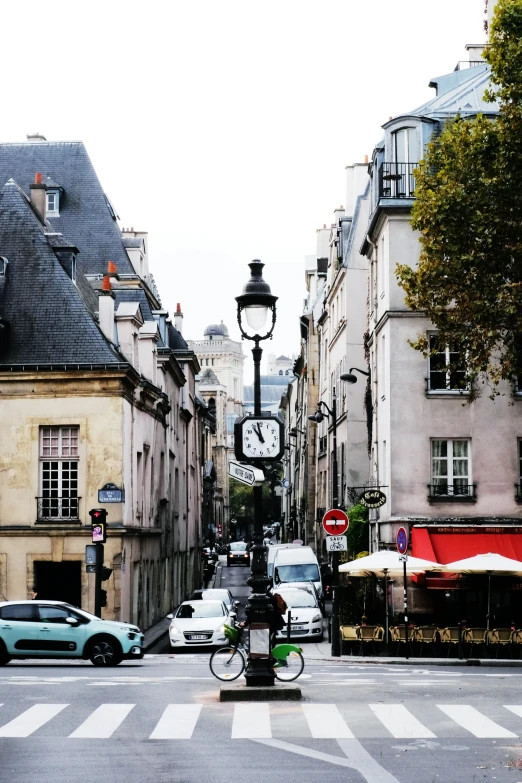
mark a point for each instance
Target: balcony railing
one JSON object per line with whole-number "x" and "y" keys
{"x": 458, "y": 492}
{"x": 57, "y": 509}
{"x": 396, "y": 180}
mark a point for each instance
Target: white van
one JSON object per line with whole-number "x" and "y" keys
{"x": 273, "y": 549}
{"x": 297, "y": 565}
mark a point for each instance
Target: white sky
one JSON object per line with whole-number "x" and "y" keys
{"x": 223, "y": 127}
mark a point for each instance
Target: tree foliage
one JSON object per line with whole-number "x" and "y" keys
{"x": 358, "y": 532}
{"x": 468, "y": 210}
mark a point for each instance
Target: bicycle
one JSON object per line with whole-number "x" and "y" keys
{"x": 229, "y": 663}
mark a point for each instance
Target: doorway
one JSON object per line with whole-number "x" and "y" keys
{"x": 59, "y": 581}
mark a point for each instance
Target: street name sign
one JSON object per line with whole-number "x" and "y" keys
{"x": 335, "y": 522}
{"x": 110, "y": 493}
{"x": 336, "y": 544}
{"x": 245, "y": 473}
{"x": 402, "y": 540}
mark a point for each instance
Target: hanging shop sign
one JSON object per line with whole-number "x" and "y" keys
{"x": 372, "y": 498}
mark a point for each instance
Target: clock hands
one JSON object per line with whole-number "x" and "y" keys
{"x": 258, "y": 432}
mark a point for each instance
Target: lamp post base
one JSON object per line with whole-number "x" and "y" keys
{"x": 259, "y": 670}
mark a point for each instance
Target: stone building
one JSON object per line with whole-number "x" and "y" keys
{"x": 97, "y": 386}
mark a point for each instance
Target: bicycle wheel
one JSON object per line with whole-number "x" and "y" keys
{"x": 289, "y": 668}
{"x": 227, "y": 663}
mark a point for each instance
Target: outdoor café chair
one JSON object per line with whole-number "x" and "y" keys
{"x": 349, "y": 636}
{"x": 474, "y": 637}
{"x": 366, "y": 636}
{"x": 426, "y": 634}
{"x": 500, "y": 637}
{"x": 516, "y": 639}
{"x": 398, "y": 635}
{"x": 449, "y": 636}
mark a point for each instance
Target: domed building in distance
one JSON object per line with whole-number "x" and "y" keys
{"x": 224, "y": 356}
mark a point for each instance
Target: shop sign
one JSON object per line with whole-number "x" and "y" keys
{"x": 372, "y": 498}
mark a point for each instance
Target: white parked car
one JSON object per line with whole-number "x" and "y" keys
{"x": 198, "y": 623}
{"x": 307, "y": 618}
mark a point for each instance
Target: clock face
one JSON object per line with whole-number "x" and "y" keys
{"x": 261, "y": 438}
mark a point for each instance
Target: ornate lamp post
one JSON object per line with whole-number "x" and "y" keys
{"x": 254, "y": 305}
{"x": 318, "y": 417}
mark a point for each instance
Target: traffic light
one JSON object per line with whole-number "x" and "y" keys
{"x": 105, "y": 573}
{"x": 103, "y": 598}
{"x": 98, "y": 525}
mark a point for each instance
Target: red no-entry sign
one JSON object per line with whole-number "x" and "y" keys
{"x": 336, "y": 522}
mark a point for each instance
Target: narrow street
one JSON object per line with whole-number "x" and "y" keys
{"x": 160, "y": 719}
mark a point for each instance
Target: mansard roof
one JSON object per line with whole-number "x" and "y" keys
{"x": 49, "y": 319}
{"x": 86, "y": 215}
{"x": 460, "y": 92}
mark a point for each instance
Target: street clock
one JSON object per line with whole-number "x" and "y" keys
{"x": 259, "y": 438}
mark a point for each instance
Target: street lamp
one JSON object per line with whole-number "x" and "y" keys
{"x": 318, "y": 417}
{"x": 348, "y": 377}
{"x": 254, "y": 305}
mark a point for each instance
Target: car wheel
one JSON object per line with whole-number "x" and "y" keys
{"x": 4, "y": 657}
{"x": 105, "y": 651}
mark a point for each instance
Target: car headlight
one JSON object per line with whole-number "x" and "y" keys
{"x": 220, "y": 629}
{"x": 317, "y": 616}
{"x": 173, "y": 629}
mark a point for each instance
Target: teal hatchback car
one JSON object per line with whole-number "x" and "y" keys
{"x": 53, "y": 629}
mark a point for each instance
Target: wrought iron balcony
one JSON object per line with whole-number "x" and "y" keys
{"x": 458, "y": 492}
{"x": 57, "y": 509}
{"x": 396, "y": 180}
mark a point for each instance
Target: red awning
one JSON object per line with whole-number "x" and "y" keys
{"x": 447, "y": 544}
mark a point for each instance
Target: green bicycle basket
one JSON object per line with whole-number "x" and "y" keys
{"x": 231, "y": 633}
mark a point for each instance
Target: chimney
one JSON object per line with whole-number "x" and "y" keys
{"x": 106, "y": 309}
{"x": 111, "y": 268}
{"x": 366, "y": 158}
{"x": 178, "y": 319}
{"x": 35, "y": 137}
{"x": 38, "y": 194}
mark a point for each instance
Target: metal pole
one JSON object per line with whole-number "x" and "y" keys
{"x": 336, "y": 642}
{"x": 489, "y": 609}
{"x": 258, "y": 671}
{"x": 386, "y": 614}
{"x": 98, "y": 579}
{"x": 404, "y": 559}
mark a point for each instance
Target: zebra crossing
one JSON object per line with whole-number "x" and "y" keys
{"x": 260, "y": 720}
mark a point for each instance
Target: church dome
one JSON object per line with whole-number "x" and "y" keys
{"x": 216, "y": 330}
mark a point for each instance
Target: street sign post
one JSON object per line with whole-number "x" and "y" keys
{"x": 336, "y": 544}
{"x": 402, "y": 548}
{"x": 336, "y": 522}
{"x": 245, "y": 473}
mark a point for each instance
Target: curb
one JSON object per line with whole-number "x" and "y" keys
{"x": 260, "y": 693}
{"x": 491, "y": 663}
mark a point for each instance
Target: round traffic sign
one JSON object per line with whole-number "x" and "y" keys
{"x": 402, "y": 540}
{"x": 335, "y": 522}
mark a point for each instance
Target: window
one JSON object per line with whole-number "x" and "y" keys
{"x": 447, "y": 371}
{"x": 3, "y": 266}
{"x": 58, "y": 473}
{"x": 451, "y": 468}
{"x": 23, "y": 612}
{"x": 405, "y": 146}
{"x": 52, "y": 208}
{"x": 53, "y": 614}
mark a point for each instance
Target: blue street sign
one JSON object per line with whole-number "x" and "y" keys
{"x": 110, "y": 493}
{"x": 402, "y": 540}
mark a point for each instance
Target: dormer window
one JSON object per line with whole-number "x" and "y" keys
{"x": 52, "y": 207}
{"x": 3, "y": 266}
{"x": 73, "y": 268}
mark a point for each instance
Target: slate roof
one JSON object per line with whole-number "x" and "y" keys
{"x": 86, "y": 217}
{"x": 129, "y": 242}
{"x": 209, "y": 378}
{"x": 176, "y": 340}
{"x": 133, "y": 295}
{"x": 48, "y": 317}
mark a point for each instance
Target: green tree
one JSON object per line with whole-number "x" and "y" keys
{"x": 358, "y": 532}
{"x": 468, "y": 210}
{"x": 241, "y": 500}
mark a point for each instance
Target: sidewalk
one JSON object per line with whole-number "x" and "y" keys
{"x": 322, "y": 652}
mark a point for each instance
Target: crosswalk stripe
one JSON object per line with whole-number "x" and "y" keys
{"x": 177, "y": 722}
{"x": 400, "y": 722}
{"x": 31, "y": 720}
{"x": 103, "y": 722}
{"x": 474, "y": 721}
{"x": 326, "y": 722}
{"x": 516, "y": 708}
{"x": 251, "y": 721}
